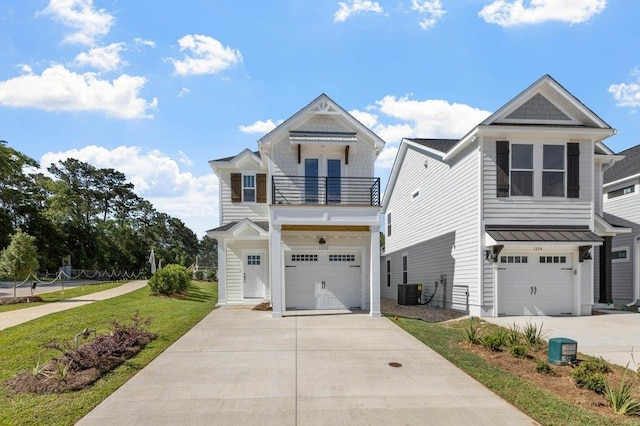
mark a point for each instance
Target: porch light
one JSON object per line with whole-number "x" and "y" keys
{"x": 322, "y": 241}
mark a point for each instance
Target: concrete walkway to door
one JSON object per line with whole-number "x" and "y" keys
{"x": 243, "y": 367}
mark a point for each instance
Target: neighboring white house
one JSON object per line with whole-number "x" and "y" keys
{"x": 622, "y": 207}
{"x": 300, "y": 218}
{"x": 503, "y": 221}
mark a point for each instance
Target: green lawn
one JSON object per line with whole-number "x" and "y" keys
{"x": 528, "y": 398}
{"x": 68, "y": 293}
{"x": 21, "y": 347}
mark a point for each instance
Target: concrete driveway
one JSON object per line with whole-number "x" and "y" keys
{"x": 239, "y": 366}
{"x": 615, "y": 336}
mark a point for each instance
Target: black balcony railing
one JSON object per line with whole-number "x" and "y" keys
{"x": 362, "y": 191}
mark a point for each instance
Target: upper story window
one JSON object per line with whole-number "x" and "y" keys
{"x": 248, "y": 188}
{"x": 522, "y": 169}
{"x": 537, "y": 170}
{"x": 389, "y": 224}
{"x": 622, "y": 191}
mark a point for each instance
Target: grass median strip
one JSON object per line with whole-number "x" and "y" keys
{"x": 68, "y": 293}
{"x": 21, "y": 347}
{"x": 541, "y": 405}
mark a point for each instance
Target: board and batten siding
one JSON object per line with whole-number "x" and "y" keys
{"x": 550, "y": 211}
{"x": 624, "y": 211}
{"x": 438, "y": 228}
{"x": 237, "y": 211}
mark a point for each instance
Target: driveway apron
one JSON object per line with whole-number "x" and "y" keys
{"x": 239, "y": 366}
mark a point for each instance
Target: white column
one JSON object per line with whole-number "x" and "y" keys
{"x": 374, "y": 272}
{"x": 222, "y": 272}
{"x": 277, "y": 280}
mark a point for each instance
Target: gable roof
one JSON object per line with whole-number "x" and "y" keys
{"x": 322, "y": 105}
{"x": 629, "y": 167}
{"x": 544, "y": 106}
{"x": 440, "y": 145}
{"x": 436, "y": 147}
{"x": 261, "y": 227}
{"x": 236, "y": 160}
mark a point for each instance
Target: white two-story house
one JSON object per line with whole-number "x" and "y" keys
{"x": 300, "y": 217}
{"x": 508, "y": 219}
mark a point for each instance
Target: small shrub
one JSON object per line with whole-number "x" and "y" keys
{"x": 533, "y": 335}
{"x": 621, "y": 398}
{"x": 170, "y": 279}
{"x": 590, "y": 375}
{"x": 494, "y": 340}
{"x": 518, "y": 351}
{"x": 472, "y": 333}
{"x": 543, "y": 367}
{"x": 513, "y": 335}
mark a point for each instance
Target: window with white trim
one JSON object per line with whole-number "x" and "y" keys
{"x": 249, "y": 188}
{"x": 620, "y": 192}
{"x": 389, "y": 224}
{"x": 522, "y": 169}
{"x": 538, "y": 170}
{"x": 620, "y": 254}
{"x": 405, "y": 268}
{"x": 388, "y": 273}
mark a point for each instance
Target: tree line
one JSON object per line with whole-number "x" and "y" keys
{"x": 90, "y": 214}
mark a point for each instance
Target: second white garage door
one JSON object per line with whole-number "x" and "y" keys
{"x": 323, "y": 280}
{"x": 532, "y": 284}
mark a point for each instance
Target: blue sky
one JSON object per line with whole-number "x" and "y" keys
{"x": 156, "y": 88}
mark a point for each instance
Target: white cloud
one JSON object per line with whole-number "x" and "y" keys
{"x": 157, "y": 178}
{"x": 356, "y": 7}
{"x": 394, "y": 118}
{"x": 204, "y": 55}
{"x": 81, "y": 15}
{"x": 184, "y": 91}
{"x": 431, "y": 8}
{"x": 627, "y": 95}
{"x": 58, "y": 89}
{"x": 105, "y": 58}
{"x": 507, "y": 13}
{"x": 387, "y": 157}
{"x": 184, "y": 158}
{"x": 261, "y": 127}
{"x": 149, "y": 43}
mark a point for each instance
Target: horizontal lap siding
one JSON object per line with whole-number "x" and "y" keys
{"x": 234, "y": 274}
{"x": 624, "y": 211}
{"x": 539, "y": 211}
{"x": 238, "y": 211}
{"x": 439, "y": 228}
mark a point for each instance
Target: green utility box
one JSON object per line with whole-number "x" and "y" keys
{"x": 562, "y": 351}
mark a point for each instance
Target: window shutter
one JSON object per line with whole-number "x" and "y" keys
{"x": 236, "y": 187}
{"x": 502, "y": 172}
{"x": 573, "y": 170}
{"x": 261, "y": 188}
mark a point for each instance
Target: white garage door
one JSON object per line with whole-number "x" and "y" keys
{"x": 535, "y": 284}
{"x": 323, "y": 280}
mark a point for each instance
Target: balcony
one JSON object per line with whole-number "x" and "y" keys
{"x": 303, "y": 190}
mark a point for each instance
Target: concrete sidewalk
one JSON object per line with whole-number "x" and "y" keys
{"x": 239, "y": 366}
{"x": 19, "y": 316}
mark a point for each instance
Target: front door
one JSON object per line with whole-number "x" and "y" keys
{"x": 253, "y": 275}
{"x": 333, "y": 181}
{"x": 311, "y": 170}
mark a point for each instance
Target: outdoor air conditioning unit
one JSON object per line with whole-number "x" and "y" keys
{"x": 409, "y": 294}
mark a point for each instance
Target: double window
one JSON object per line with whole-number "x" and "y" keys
{"x": 537, "y": 170}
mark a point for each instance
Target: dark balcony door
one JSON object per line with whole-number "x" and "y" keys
{"x": 333, "y": 181}
{"x": 311, "y": 168}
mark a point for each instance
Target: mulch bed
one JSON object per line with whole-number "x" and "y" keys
{"x": 22, "y": 299}
{"x": 78, "y": 368}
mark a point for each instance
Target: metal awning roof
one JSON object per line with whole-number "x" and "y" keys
{"x": 308, "y": 136}
{"x": 546, "y": 234}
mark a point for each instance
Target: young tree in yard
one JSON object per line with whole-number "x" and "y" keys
{"x": 20, "y": 258}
